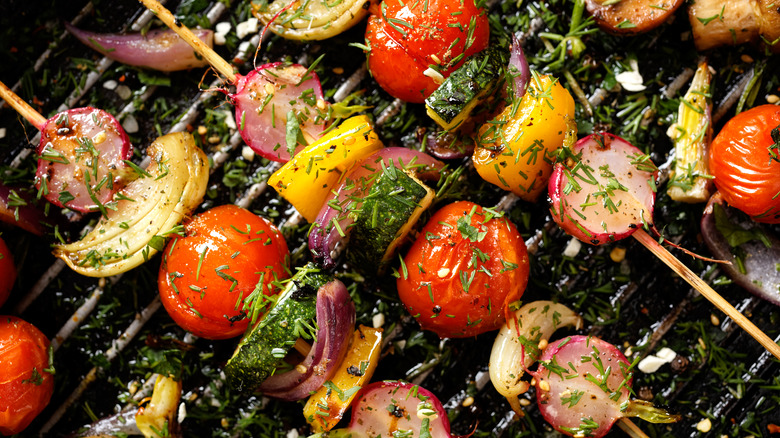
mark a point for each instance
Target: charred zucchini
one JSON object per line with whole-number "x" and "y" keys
{"x": 471, "y": 84}
{"x": 262, "y": 350}
{"x": 389, "y": 211}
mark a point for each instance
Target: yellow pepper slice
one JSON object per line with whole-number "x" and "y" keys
{"x": 307, "y": 179}
{"x": 156, "y": 418}
{"x": 325, "y": 407}
{"x": 516, "y": 151}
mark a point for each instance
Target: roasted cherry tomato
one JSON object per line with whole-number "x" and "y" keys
{"x": 464, "y": 270}
{"x": 227, "y": 256}
{"x": 7, "y": 272}
{"x": 745, "y": 161}
{"x": 26, "y": 385}
{"x": 517, "y": 154}
{"x": 406, "y": 38}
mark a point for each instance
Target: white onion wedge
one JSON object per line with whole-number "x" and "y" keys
{"x": 311, "y": 20}
{"x": 151, "y": 206}
{"x": 520, "y": 342}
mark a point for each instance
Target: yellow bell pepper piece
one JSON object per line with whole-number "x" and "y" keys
{"x": 158, "y": 417}
{"x": 325, "y": 407}
{"x": 516, "y": 151}
{"x": 307, "y": 179}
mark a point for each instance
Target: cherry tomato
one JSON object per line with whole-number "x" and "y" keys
{"x": 7, "y": 272}
{"x": 206, "y": 276}
{"x": 26, "y": 385}
{"x": 745, "y": 161}
{"x": 406, "y": 38}
{"x": 463, "y": 271}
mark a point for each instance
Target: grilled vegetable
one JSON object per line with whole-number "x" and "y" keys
{"x": 464, "y": 271}
{"x": 158, "y": 49}
{"x": 214, "y": 280}
{"x": 691, "y": 181}
{"x": 309, "y": 176}
{"x": 745, "y": 161}
{"x": 730, "y": 22}
{"x": 26, "y": 380}
{"x": 631, "y": 17}
{"x": 415, "y": 46}
{"x": 516, "y": 151}
{"x": 149, "y": 211}
{"x": 159, "y": 417}
{"x": 327, "y": 406}
{"x": 583, "y": 385}
{"x": 262, "y": 350}
{"x": 388, "y": 213}
{"x": 471, "y": 84}
{"x": 310, "y": 20}
{"x": 603, "y": 189}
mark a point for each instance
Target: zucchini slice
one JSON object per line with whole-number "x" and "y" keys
{"x": 389, "y": 211}
{"x": 262, "y": 350}
{"x": 468, "y": 86}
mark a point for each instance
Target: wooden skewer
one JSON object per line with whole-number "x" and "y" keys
{"x": 216, "y": 61}
{"x": 22, "y": 107}
{"x": 709, "y": 293}
{"x": 630, "y": 428}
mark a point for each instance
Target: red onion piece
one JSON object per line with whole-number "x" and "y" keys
{"x": 18, "y": 208}
{"x": 603, "y": 192}
{"x": 160, "y": 50}
{"x": 81, "y": 153}
{"x": 761, "y": 277}
{"x": 568, "y": 399}
{"x": 383, "y": 408}
{"x": 335, "y": 323}
{"x": 325, "y": 236}
{"x": 445, "y": 146}
{"x": 518, "y": 67}
{"x": 263, "y": 100}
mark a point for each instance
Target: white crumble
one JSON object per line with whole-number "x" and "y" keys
{"x": 130, "y": 124}
{"x": 248, "y": 153}
{"x": 651, "y": 363}
{"x": 631, "y": 80}
{"x": 230, "y": 121}
{"x": 667, "y": 354}
{"x": 219, "y": 39}
{"x": 246, "y": 27}
{"x": 124, "y": 92}
{"x": 182, "y": 414}
{"x": 292, "y": 433}
{"x": 110, "y": 84}
{"x": 378, "y": 320}
{"x": 223, "y": 28}
{"x": 243, "y": 47}
{"x": 2, "y": 132}
{"x": 704, "y": 425}
{"x": 572, "y": 248}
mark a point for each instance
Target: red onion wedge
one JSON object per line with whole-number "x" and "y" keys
{"x": 81, "y": 160}
{"x": 18, "y": 208}
{"x": 725, "y": 231}
{"x": 518, "y": 67}
{"x": 444, "y": 145}
{"x": 158, "y": 49}
{"x": 583, "y": 385}
{"x": 337, "y": 214}
{"x": 279, "y": 109}
{"x": 335, "y": 323}
{"x": 603, "y": 189}
{"x": 390, "y": 409}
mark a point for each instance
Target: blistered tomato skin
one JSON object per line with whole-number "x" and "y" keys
{"x": 7, "y": 272}
{"x": 463, "y": 271}
{"x": 25, "y": 384}
{"x": 205, "y": 275}
{"x": 745, "y": 172}
{"x": 405, "y": 38}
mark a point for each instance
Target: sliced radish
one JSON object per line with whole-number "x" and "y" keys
{"x": 264, "y": 100}
{"x": 603, "y": 190}
{"x": 583, "y": 385}
{"x": 391, "y": 409}
{"x": 81, "y": 159}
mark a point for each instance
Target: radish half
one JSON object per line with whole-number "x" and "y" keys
{"x": 603, "y": 189}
